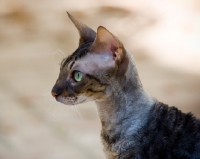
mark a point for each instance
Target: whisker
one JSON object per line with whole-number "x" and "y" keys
{"x": 53, "y": 109}
{"x": 57, "y": 112}
{"x": 59, "y": 52}
{"x": 78, "y": 114}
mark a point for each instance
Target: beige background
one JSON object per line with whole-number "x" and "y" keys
{"x": 163, "y": 36}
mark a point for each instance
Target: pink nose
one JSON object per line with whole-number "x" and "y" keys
{"x": 54, "y": 94}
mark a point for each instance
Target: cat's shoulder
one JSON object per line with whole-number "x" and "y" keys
{"x": 173, "y": 125}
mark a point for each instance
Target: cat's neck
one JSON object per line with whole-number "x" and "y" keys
{"x": 127, "y": 104}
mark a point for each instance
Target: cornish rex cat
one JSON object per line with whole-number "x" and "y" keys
{"x": 134, "y": 125}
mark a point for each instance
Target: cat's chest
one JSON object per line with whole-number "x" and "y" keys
{"x": 112, "y": 151}
{"x": 115, "y": 146}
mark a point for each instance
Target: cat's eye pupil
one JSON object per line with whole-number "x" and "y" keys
{"x": 78, "y": 76}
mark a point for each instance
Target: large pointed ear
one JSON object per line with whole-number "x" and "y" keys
{"x": 106, "y": 42}
{"x": 87, "y": 35}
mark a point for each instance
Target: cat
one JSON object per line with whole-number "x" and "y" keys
{"x": 134, "y": 125}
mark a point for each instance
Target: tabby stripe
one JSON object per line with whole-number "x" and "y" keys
{"x": 67, "y": 61}
{"x": 71, "y": 64}
{"x": 92, "y": 77}
{"x": 79, "y": 52}
{"x": 93, "y": 91}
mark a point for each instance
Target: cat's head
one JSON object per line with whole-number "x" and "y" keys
{"x": 87, "y": 74}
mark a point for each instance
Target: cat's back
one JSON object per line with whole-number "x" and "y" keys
{"x": 169, "y": 134}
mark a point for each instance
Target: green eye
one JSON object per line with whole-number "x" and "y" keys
{"x": 78, "y": 76}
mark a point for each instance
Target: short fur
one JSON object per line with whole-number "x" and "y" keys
{"x": 134, "y": 125}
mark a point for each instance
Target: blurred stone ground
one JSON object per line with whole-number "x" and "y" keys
{"x": 33, "y": 37}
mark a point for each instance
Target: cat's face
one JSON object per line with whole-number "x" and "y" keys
{"x": 82, "y": 79}
{"x": 87, "y": 74}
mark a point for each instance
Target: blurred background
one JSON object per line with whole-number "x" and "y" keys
{"x": 163, "y": 36}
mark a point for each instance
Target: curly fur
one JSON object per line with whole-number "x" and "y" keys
{"x": 167, "y": 134}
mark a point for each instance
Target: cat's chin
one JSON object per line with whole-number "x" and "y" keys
{"x": 74, "y": 101}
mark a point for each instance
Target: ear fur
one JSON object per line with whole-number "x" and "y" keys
{"x": 106, "y": 42}
{"x": 86, "y": 34}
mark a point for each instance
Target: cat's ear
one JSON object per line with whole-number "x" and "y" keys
{"x": 106, "y": 42}
{"x": 87, "y": 35}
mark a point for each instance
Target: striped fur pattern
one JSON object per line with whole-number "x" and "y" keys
{"x": 134, "y": 125}
{"x": 167, "y": 134}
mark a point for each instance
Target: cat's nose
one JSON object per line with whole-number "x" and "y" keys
{"x": 54, "y": 94}
{"x": 56, "y": 91}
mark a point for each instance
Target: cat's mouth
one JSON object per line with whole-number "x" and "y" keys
{"x": 71, "y": 100}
